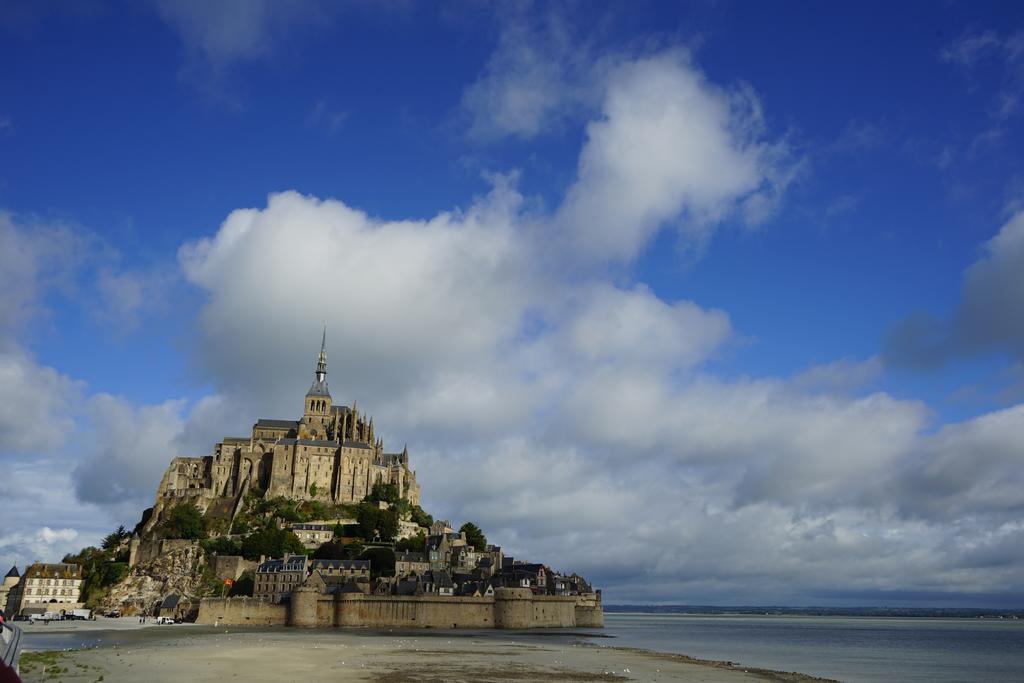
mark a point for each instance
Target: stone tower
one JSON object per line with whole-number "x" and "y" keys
{"x": 317, "y": 413}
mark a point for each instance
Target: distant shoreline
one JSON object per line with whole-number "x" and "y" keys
{"x": 914, "y": 612}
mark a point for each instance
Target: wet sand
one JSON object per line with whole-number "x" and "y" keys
{"x": 198, "y": 653}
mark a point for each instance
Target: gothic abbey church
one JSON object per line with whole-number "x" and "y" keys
{"x": 331, "y": 455}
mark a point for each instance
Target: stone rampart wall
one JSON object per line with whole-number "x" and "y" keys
{"x": 143, "y": 552}
{"x": 512, "y": 608}
{"x": 421, "y": 611}
{"x": 519, "y": 608}
{"x": 232, "y": 566}
{"x": 242, "y": 612}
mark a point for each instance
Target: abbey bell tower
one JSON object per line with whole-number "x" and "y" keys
{"x": 318, "y": 398}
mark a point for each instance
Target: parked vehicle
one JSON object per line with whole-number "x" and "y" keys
{"x": 114, "y": 614}
{"x": 165, "y": 620}
{"x": 47, "y": 616}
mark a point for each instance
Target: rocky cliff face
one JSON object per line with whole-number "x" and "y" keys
{"x": 177, "y": 570}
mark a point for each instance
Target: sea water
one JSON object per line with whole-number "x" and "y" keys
{"x": 843, "y": 648}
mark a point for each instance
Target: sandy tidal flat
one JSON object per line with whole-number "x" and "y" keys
{"x": 197, "y": 654}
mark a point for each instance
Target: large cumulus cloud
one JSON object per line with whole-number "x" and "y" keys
{"x": 579, "y": 421}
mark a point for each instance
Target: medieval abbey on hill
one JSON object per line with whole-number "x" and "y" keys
{"x": 331, "y": 454}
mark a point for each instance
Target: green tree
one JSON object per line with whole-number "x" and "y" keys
{"x": 366, "y": 520}
{"x": 222, "y": 546}
{"x": 184, "y": 521}
{"x": 111, "y": 541}
{"x": 331, "y": 550}
{"x": 420, "y": 517}
{"x": 387, "y": 525}
{"x": 272, "y": 542}
{"x": 382, "y": 561}
{"x": 385, "y": 492}
{"x": 243, "y": 585}
{"x": 474, "y": 536}
{"x": 354, "y": 550}
{"x": 414, "y": 544}
{"x": 312, "y": 490}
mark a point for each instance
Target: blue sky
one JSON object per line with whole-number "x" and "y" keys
{"x": 767, "y": 231}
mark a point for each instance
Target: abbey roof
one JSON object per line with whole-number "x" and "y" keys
{"x": 277, "y": 424}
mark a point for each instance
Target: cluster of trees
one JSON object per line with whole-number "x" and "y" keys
{"x": 474, "y": 535}
{"x": 102, "y": 567}
{"x": 257, "y": 511}
{"x": 183, "y": 521}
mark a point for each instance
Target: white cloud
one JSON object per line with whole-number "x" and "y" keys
{"x": 36, "y": 405}
{"x": 578, "y": 422}
{"x": 51, "y": 536}
{"x": 41, "y": 520}
{"x": 669, "y": 147}
{"x": 222, "y": 33}
{"x": 992, "y": 309}
{"x": 840, "y": 376}
{"x": 35, "y": 259}
{"x": 43, "y": 544}
{"x": 540, "y": 76}
{"x": 127, "y": 449}
{"x": 976, "y": 47}
{"x": 989, "y": 317}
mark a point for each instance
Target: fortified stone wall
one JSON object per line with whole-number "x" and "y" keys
{"x": 421, "y": 611}
{"x": 241, "y": 612}
{"x": 231, "y": 566}
{"x": 589, "y": 613}
{"x": 512, "y": 608}
{"x": 143, "y": 552}
{"x": 519, "y": 608}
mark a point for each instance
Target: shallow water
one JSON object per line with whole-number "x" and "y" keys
{"x": 845, "y": 648}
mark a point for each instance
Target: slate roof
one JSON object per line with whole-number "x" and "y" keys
{"x": 342, "y": 564}
{"x": 319, "y": 388}
{"x": 171, "y": 601}
{"x": 58, "y": 570}
{"x": 323, "y": 442}
{"x": 13, "y": 572}
{"x": 277, "y": 424}
{"x": 350, "y": 587}
{"x": 410, "y": 556}
{"x": 291, "y": 563}
{"x": 438, "y": 578}
{"x": 309, "y": 442}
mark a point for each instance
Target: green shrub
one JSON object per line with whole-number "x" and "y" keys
{"x": 382, "y": 561}
{"x": 183, "y": 521}
{"x": 271, "y": 542}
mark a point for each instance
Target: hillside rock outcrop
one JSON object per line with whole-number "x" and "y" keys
{"x": 178, "y": 569}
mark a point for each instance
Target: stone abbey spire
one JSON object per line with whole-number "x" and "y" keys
{"x": 318, "y": 398}
{"x": 321, "y": 361}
